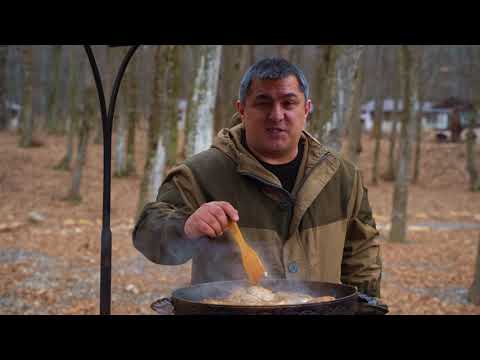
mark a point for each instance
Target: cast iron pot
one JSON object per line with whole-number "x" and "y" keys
{"x": 188, "y": 301}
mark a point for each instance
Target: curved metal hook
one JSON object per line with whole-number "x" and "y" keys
{"x": 107, "y": 120}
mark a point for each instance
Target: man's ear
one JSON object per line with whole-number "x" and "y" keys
{"x": 240, "y": 108}
{"x": 308, "y": 107}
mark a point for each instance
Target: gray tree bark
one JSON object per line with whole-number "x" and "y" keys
{"x": 400, "y": 196}
{"x": 418, "y": 142}
{"x": 284, "y": 51}
{"x": 353, "y": 145}
{"x": 397, "y": 88}
{"x": 201, "y": 106}
{"x": 73, "y": 102}
{"x": 3, "y": 87}
{"x": 347, "y": 64}
{"x": 471, "y": 154}
{"x": 379, "y": 111}
{"x": 26, "y": 115}
{"x": 233, "y": 66}
{"x": 157, "y": 146}
{"x": 132, "y": 114}
{"x": 324, "y": 88}
{"x": 121, "y": 126}
{"x": 84, "y": 129}
{"x": 172, "y": 115}
{"x": 52, "y": 105}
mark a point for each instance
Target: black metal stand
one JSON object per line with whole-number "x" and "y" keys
{"x": 107, "y": 120}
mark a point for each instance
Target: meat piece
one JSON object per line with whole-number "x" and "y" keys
{"x": 260, "y": 296}
{"x": 261, "y": 293}
{"x": 288, "y": 298}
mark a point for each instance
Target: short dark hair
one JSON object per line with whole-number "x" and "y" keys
{"x": 272, "y": 69}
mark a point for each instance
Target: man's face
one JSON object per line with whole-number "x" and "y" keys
{"x": 274, "y": 115}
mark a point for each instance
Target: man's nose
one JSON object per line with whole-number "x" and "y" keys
{"x": 276, "y": 113}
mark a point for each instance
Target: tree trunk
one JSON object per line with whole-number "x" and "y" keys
{"x": 347, "y": 65}
{"x": 400, "y": 196}
{"x": 391, "y": 170}
{"x": 471, "y": 154}
{"x": 202, "y": 103}
{"x": 132, "y": 106}
{"x": 26, "y": 116}
{"x": 252, "y": 54}
{"x": 52, "y": 106}
{"x": 181, "y": 129}
{"x": 353, "y": 141}
{"x": 418, "y": 144}
{"x": 171, "y": 120}
{"x": 284, "y": 51}
{"x": 379, "y": 111}
{"x": 324, "y": 91}
{"x": 85, "y": 127}
{"x": 156, "y": 148}
{"x": 3, "y": 87}
{"x": 72, "y": 116}
{"x": 14, "y": 86}
{"x": 232, "y": 68}
{"x": 474, "y": 293}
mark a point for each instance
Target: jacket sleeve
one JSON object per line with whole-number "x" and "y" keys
{"x": 159, "y": 232}
{"x": 361, "y": 263}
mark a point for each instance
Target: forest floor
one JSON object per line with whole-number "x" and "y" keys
{"x": 51, "y": 266}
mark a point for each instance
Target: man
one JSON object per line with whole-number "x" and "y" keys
{"x": 301, "y": 207}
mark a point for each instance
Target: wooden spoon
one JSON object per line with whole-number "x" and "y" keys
{"x": 251, "y": 261}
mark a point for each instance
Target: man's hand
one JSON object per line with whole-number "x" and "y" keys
{"x": 210, "y": 219}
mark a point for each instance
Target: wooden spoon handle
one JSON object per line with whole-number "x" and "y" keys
{"x": 237, "y": 235}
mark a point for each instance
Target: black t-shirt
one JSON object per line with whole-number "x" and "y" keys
{"x": 286, "y": 173}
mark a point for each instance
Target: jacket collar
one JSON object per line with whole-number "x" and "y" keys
{"x": 229, "y": 142}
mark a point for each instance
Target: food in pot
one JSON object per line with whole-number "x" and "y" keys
{"x": 260, "y": 296}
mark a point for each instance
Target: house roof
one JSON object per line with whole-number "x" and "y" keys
{"x": 390, "y": 106}
{"x": 454, "y": 103}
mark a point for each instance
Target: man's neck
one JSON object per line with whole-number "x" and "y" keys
{"x": 275, "y": 159}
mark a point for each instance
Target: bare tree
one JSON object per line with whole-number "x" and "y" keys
{"x": 88, "y": 110}
{"x": 163, "y": 119}
{"x": 121, "y": 123}
{"x": 347, "y": 65}
{"x": 427, "y": 56}
{"x": 234, "y": 63}
{"x": 3, "y": 87}
{"x": 398, "y": 84}
{"x": 201, "y": 106}
{"x": 353, "y": 146}
{"x": 132, "y": 115}
{"x": 172, "y": 114}
{"x": 73, "y": 102}
{"x": 471, "y": 137}
{"x": 52, "y": 105}
{"x": 324, "y": 90}
{"x": 379, "y": 109}
{"x": 408, "y": 63}
{"x": 284, "y": 51}
{"x": 26, "y": 116}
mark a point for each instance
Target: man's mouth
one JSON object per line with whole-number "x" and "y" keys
{"x": 275, "y": 130}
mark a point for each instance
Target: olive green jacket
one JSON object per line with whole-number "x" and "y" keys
{"x": 322, "y": 231}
